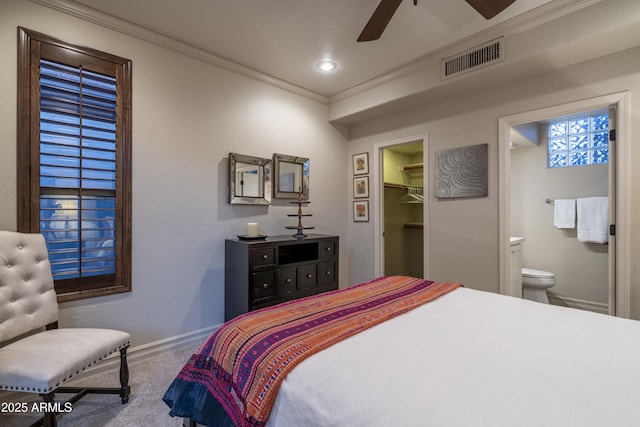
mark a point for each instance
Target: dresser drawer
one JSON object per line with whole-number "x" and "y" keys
{"x": 327, "y": 248}
{"x": 287, "y": 280}
{"x": 265, "y": 272}
{"x": 262, "y": 256}
{"x": 306, "y": 276}
{"x": 263, "y": 286}
{"x": 326, "y": 272}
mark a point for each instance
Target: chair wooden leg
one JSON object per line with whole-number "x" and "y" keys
{"x": 49, "y": 419}
{"x": 124, "y": 376}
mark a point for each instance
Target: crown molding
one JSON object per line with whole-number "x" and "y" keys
{"x": 111, "y": 22}
{"x": 548, "y": 12}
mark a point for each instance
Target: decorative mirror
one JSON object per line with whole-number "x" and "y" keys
{"x": 290, "y": 176}
{"x": 249, "y": 180}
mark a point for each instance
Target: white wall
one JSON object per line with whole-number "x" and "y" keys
{"x": 463, "y": 234}
{"x": 187, "y": 117}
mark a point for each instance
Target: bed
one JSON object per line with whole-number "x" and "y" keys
{"x": 422, "y": 354}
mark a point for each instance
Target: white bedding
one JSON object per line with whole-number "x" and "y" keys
{"x": 472, "y": 358}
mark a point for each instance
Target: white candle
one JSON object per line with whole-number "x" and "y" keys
{"x": 252, "y": 229}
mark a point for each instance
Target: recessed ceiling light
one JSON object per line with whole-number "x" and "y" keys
{"x": 327, "y": 65}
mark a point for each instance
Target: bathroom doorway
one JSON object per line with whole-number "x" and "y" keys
{"x": 591, "y": 276}
{"x": 400, "y": 218}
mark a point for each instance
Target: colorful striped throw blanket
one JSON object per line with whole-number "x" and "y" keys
{"x": 235, "y": 375}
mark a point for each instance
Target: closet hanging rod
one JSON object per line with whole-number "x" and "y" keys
{"x": 400, "y": 186}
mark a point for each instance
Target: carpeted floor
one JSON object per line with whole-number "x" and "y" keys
{"x": 148, "y": 378}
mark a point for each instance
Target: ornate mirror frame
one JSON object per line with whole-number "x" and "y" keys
{"x": 290, "y": 176}
{"x": 257, "y": 171}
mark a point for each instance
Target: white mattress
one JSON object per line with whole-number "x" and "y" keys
{"x": 472, "y": 358}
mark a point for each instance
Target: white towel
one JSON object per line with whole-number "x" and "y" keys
{"x": 593, "y": 219}
{"x": 564, "y": 213}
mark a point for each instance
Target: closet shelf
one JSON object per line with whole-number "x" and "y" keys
{"x": 414, "y": 166}
{"x": 413, "y": 225}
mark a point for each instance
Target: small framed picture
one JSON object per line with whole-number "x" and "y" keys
{"x": 360, "y": 187}
{"x": 361, "y": 211}
{"x": 361, "y": 164}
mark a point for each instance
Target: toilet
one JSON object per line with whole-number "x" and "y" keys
{"x": 535, "y": 284}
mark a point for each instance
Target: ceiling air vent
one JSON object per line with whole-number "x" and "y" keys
{"x": 472, "y": 59}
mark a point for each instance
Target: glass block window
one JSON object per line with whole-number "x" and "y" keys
{"x": 74, "y": 162}
{"x": 578, "y": 141}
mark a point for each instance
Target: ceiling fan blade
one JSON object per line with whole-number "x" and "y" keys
{"x": 489, "y": 8}
{"x": 379, "y": 20}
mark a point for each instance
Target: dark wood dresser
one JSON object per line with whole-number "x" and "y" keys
{"x": 261, "y": 273}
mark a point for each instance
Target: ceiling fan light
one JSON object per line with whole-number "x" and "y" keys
{"x": 327, "y": 66}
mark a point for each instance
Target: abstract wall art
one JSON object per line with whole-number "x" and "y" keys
{"x": 462, "y": 172}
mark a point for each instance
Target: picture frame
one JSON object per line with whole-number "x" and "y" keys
{"x": 360, "y": 187}
{"x": 361, "y": 211}
{"x": 361, "y": 164}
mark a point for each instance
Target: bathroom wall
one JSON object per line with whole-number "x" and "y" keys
{"x": 581, "y": 268}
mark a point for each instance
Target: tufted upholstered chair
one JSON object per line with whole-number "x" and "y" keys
{"x": 43, "y": 362}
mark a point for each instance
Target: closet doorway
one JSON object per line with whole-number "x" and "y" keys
{"x": 402, "y": 210}
{"x": 617, "y": 286}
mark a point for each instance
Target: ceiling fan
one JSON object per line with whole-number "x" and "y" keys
{"x": 385, "y": 10}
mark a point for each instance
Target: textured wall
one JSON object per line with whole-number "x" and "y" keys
{"x": 187, "y": 117}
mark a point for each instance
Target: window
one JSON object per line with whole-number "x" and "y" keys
{"x": 579, "y": 141}
{"x": 74, "y": 162}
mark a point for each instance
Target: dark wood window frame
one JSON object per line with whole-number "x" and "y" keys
{"x": 33, "y": 46}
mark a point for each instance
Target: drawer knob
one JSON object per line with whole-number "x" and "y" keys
{"x": 309, "y": 276}
{"x": 265, "y": 256}
{"x": 327, "y": 272}
{"x": 288, "y": 280}
{"x": 265, "y": 285}
{"x": 328, "y": 249}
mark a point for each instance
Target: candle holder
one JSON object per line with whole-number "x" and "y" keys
{"x": 300, "y": 228}
{"x": 252, "y": 232}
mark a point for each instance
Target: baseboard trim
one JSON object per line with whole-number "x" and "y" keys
{"x": 597, "y": 307}
{"x": 172, "y": 343}
{"x": 144, "y": 351}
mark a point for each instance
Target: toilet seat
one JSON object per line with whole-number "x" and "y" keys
{"x": 536, "y": 274}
